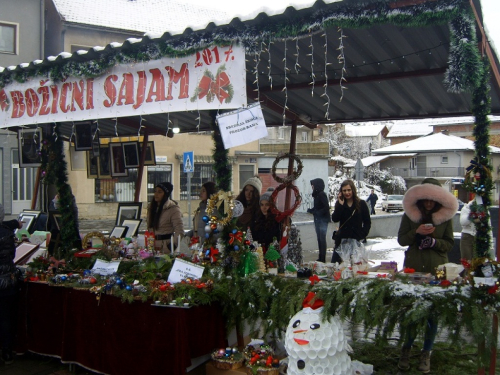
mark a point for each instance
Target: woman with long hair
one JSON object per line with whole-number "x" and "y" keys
{"x": 353, "y": 217}
{"x": 427, "y": 229}
{"x": 250, "y": 198}
{"x": 165, "y": 218}
{"x": 265, "y": 228}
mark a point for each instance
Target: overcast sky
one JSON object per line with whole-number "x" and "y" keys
{"x": 491, "y": 10}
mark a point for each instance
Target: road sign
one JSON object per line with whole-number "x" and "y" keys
{"x": 188, "y": 161}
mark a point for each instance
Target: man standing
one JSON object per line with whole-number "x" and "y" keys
{"x": 372, "y": 198}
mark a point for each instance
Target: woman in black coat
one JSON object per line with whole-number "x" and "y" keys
{"x": 353, "y": 217}
{"x": 8, "y": 285}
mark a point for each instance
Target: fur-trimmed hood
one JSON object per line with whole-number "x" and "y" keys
{"x": 432, "y": 192}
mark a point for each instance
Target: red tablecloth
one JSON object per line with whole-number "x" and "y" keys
{"x": 115, "y": 337}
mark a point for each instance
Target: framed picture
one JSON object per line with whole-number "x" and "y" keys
{"x": 128, "y": 211}
{"x": 28, "y": 220}
{"x": 117, "y": 160}
{"x": 104, "y": 170}
{"x": 55, "y": 219}
{"x": 78, "y": 159}
{"x": 132, "y": 227}
{"x": 83, "y": 136}
{"x": 92, "y": 165}
{"x": 30, "y": 144}
{"x": 24, "y": 251}
{"x": 118, "y": 232}
{"x": 131, "y": 154}
{"x": 32, "y": 212}
{"x": 150, "y": 158}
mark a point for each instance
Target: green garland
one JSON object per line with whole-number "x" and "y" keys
{"x": 54, "y": 172}
{"x": 481, "y": 108}
{"x": 462, "y": 62}
{"x": 220, "y": 156}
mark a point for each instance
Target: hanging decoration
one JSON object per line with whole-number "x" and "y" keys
{"x": 285, "y": 90}
{"x": 295, "y": 175}
{"x": 325, "y": 85}
{"x": 280, "y": 215}
{"x": 341, "y": 59}
{"x": 216, "y": 201}
{"x": 313, "y": 77}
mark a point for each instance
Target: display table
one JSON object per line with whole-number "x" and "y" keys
{"x": 113, "y": 337}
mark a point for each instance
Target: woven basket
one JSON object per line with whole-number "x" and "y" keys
{"x": 264, "y": 371}
{"x": 227, "y": 365}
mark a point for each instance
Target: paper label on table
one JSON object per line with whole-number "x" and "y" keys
{"x": 101, "y": 267}
{"x": 183, "y": 270}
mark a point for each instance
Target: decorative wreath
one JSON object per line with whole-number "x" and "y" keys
{"x": 298, "y": 199}
{"x": 288, "y": 179}
{"x": 216, "y": 200}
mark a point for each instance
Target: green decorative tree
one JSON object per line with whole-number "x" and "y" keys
{"x": 272, "y": 255}
{"x": 221, "y": 164}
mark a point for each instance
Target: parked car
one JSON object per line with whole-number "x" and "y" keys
{"x": 393, "y": 203}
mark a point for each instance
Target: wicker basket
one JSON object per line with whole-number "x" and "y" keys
{"x": 264, "y": 371}
{"x": 227, "y": 365}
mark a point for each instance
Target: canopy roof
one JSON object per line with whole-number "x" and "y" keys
{"x": 347, "y": 61}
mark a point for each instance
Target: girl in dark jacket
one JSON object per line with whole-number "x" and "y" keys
{"x": 265, "y": 228}
{"x": 321, "y": 213}
{"x": 8, "y": 285}
{"x": 353, "y": 217}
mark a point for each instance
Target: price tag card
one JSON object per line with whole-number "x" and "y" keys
{"x": 183, "y": 270}
{"x": 101, "y": 267}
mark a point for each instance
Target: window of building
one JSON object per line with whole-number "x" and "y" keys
{"x": 304, "y": 136}
{"x": 202, "y": 173}
{"x": 118, "y": 189}
{"x": 246, "y": 171}
{"x": 281, "y": 133}
{"x": 444, "y": 160}
{"x": 8, "y": 38}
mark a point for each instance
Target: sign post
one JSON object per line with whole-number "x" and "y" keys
{"x": 360, "y": 171}
{"x": 188, "y": 161}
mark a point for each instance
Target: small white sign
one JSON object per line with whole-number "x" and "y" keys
{"x": 243, "y": 126}
{"x": 101, "y": 267}
{"x": 183, "y": 270}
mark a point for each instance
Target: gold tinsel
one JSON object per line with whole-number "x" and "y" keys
{"x": 216, "y": 200}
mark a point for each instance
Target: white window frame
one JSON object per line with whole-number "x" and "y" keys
{"x": 15, "y": 26}
{"x": 305, "y": 136}
{"x": 281, "y": 133}
{"x": 444, "y": 159}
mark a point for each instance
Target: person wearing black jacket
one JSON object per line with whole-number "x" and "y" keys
{"x": 321, "y": 213}
{"x": 353, "y": 217}
{"x": 372, "y": 198}
{"x": 265, "y": 229}
{"x": 8, "y": 286}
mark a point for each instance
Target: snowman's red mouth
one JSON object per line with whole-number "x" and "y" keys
{"x": 301, "y": 342}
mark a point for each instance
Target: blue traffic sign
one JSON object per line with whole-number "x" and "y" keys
{"x": 188, "y": 161}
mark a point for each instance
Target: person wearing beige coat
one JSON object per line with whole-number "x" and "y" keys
{"x": 165, "y": 218}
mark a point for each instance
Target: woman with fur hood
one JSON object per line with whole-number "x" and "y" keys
{"x": 427, "y": 229}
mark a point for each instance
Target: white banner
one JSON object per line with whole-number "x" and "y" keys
{"x": 211, "y": 79}
{"x": 243, "y": 126}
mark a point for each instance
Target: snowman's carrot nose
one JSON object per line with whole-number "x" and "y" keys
{"x": 301, "y": 342}
{"x": 300, "y": 331}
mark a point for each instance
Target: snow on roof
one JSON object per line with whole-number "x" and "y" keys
{"x": 342, "y": 159}
{"x": 363, "y": 130}
{"x": 151, "y": 16}
{"x": 369, "y": 160}
{"x": 432, "y": 143}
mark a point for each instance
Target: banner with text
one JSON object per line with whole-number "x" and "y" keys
{"x": 210, "y": 79}
{"x": 243, "y": 126}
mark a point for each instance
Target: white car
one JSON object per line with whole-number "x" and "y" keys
{"x": 393, "y": 203}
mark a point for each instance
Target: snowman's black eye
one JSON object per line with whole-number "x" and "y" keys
{"x": 296, "y": 324}
{"x": 315, "y": 326}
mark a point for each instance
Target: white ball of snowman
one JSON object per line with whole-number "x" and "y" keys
{"x": 315, "y": 346}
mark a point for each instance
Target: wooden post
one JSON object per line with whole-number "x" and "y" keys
{"x": 36, "y": 188}
{"x": 140, "y": 170}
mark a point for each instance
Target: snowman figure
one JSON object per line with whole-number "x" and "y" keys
{"x": 315, "y": 346}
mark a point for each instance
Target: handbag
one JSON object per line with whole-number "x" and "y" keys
{"x": 336, "y": 235}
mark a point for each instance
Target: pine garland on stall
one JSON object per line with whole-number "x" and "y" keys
{"x": 220, "y": 155}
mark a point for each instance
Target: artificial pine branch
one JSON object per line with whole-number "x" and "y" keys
{"x": 221, "y": 164}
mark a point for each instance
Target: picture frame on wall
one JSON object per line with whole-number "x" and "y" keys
{"x": 92, "y": 165}
{"x": 131, "y": 154}
{"x": 78, "y": 159}
{"x": 150, "y": 158}
{"x": 104, "y": 170}
{"x": 83, "y": 136}
{"x": 117, "y": 160}
{"x": 128, "y": 211}
{"x": 29, "y": 146}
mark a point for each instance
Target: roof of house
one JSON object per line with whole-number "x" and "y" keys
{"x": 363, "y": 130}
{"x": 147, "y": 16}
{"x": 410, "y": 128}
{"x": 432, "y": 143}
{"x": 370, "y": 160}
